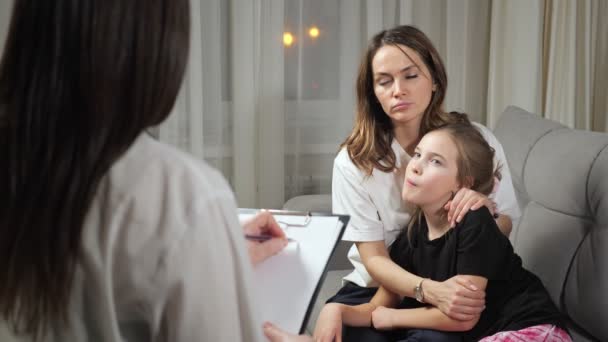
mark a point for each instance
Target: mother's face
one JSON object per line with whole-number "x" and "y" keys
{"x": 402, "y": 83}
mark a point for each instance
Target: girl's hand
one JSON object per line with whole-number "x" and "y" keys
{"x": 464, "y": 200}
{"x": 383, "y": 318}
{"x": 329, "y": 324}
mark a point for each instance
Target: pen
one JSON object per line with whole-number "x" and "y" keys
{"x": 263, "y": 237}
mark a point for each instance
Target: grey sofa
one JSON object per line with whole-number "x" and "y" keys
{"x": 561, "y": 180}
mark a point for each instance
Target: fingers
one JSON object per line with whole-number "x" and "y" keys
{"x": 469, "y": 306}
{"x": 465, "y": 282}
{"x": 462, "y": 211}
{"x": 480, "y": 202}
{"x": 464, "y": 312}
{"x": 260, "y": 251}
{"x": 329, "y": 335}
{"x": 263, "y": 223}
{"x": 463, "y": 309}
{"x": 465, "y": 200}
{"x": 270, "y": 225}
{"x": 447, "y": 205}
{"x": 454, "y": 204}
{"x": 458, "y": 204}
{"x": 338, "y": 337}
{"x": 462, "y": 316}
{"x": 273, "y": 246}
{"x": 469, "y": 289}
{"x": 274, "y": 334}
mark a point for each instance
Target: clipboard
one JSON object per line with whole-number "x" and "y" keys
{"x": 287, "y": 284}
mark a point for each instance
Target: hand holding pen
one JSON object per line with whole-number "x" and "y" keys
{"x": 265, "y": 237}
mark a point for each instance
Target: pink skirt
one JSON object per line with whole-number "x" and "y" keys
{"x": 537, "y": 333}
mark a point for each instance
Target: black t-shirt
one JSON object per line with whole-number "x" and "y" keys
{"x": 515, "y": 298}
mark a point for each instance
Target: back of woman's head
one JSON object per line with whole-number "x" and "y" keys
{"x": 370, "y": 141}
{"x": 80, "y": 80}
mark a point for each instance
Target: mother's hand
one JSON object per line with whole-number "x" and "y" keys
{"x": 456, "y": 297}
{"x": 464, "y": 200}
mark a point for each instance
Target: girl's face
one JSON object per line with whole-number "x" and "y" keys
{"x": 403, "y": 86}
{"x": 431, "y": 175}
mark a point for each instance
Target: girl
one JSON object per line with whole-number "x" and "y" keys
{"x": 445, "y": 161}
{"x": 400, "y": 91}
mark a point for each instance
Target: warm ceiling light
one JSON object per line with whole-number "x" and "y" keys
{"x": 313, "y": 32}
{"x": 287, "y": 39}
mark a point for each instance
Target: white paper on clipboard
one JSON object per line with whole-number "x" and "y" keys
{"x": 286, "y": 284}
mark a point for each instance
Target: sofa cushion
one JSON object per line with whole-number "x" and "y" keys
{"x": 559, "y": 175}
{"x": 317, "y": 203}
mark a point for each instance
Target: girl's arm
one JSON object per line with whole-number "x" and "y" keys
{"x": 457, "y": 297}
{"x": 419, "y": 318}
{"x": 385, "y": 271}
{"x": 334, "y": 315}
{"x": 423, "y": 318}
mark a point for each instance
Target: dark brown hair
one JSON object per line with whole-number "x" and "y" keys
{"x": 369, "y": 143}
{"x": 80, "y": 80}
{"x": 476, "y": 169}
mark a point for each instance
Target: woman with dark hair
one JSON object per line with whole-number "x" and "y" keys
{"x": 401, "y": 87}
{"x": 106, "y": 234}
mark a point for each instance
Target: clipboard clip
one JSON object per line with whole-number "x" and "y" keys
{"x": 306, "y": 214}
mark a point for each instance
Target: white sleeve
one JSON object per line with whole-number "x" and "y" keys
{"x": 350, "y": 197}
{"x": 207, "y": 277}
{"x": 504, "y": 196}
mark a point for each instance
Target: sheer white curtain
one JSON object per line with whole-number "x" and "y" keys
{"x": 269, "y": 93}
{"x": 230, "y": 111}
{"x": 515, "y": 57}
{"x": 320, "y": 73}
{"x": 270, "y": 115}
{"x": 550, "y": 57}
{"x": 576, "y": 63}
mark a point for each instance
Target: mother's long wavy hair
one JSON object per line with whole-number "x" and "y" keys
{"x": 80, "y": 80}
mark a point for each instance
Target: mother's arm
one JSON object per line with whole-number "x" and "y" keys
{"x": 423, "y": 318}
{"x": 466, "y": 199}
{"x": 458, "y": 297}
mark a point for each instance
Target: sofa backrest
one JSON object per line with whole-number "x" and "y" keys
{"x": 560, "y": 177}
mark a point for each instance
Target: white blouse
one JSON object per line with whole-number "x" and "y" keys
{"x": 163, "y": 256}
{"x": 377, "y": 212}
